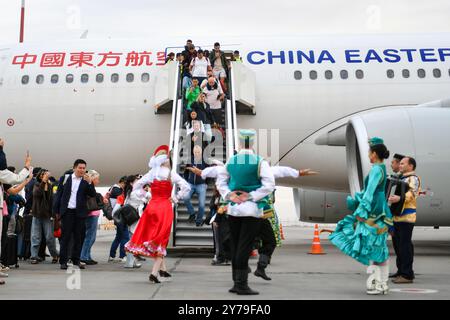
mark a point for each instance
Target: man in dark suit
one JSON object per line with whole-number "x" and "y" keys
{"x": 71, "y": 207}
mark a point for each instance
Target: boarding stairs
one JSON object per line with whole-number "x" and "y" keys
{"x": 170, "y": 95}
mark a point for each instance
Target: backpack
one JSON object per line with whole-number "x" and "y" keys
{"x": 107, "y": 211}
{"x": 128, "y": 214}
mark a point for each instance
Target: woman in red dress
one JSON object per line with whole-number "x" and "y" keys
{"x": 153, "y": 230}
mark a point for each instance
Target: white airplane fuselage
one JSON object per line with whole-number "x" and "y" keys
{"x": 113, "y": 126}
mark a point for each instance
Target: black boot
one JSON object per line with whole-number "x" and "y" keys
{"x": 233, "y": 289}
{"x": 242, "y": 287}
{"x": 262, "y": 264}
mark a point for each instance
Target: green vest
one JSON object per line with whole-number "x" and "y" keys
{"x": 244, "y": 172}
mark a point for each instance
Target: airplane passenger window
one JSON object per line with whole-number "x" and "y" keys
{"x": 99, "y": 78}
{"x": 390, "y": 73}
{"x": 421, "y": 73}
{"x": 437, "y": 73}
{"x": 84, "y": 78}
{"x": 54, "y": 78}
{"x": 145, "y": 77}
{"x": 359, "y": 74}
{"x": 114, "y": 77}
{"x": 405, "y": 73}
{"x": 344, "y": 74}
{"x": 130, "y": 77}
{"x": 328, "y": 74}
{"x": 313, "y": 75}
{"x": 297, "y": 75}
{"x": 40, "y": 79}
{"x": 25, "y": 79}
{"x": 69, "y": 78}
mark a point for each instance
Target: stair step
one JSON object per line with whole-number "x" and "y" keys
{"x": 192, "y": 227}
{"x": 193, "y": 243}
{"x": 193, "y": 234}
{"x": 194, "y": 201}
{"x": 183, "y": 213}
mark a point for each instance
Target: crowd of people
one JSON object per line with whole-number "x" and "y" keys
{"x": 242, "y": 212}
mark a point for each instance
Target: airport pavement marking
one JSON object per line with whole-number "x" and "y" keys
{"x": 414, "y": 290}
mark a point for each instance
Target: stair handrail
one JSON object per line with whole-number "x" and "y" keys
{"x": 174, "y": 106}
{"x": 175, "y": 139}
{"x": 233, "y": 109}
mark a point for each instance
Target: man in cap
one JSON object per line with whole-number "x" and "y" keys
{"x": 246, "y": 185}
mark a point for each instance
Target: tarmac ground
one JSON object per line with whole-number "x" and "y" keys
{"x": 295, "y": 274}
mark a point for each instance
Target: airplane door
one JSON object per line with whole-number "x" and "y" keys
{"x": 4, "y": 58}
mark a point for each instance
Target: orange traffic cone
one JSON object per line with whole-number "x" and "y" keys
{"x": 316, "y": 248}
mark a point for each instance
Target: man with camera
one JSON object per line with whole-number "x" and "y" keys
{"x": 71, "y": 207}
{"x": 404, "y": 222}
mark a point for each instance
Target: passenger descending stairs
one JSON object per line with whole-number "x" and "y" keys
{"x": 169, "y": 94}
{"x": 187, "y": 234}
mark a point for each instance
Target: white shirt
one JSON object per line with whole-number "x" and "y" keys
{"x": 218, "y": 64}
{"x": 247, "y": 208}
{"x": 211, "y": 97}
{"x": 73, "y": 195}
{"x": 137, "y": 199}
{"x": 277, "y": 171}
{"x": 205, "y": 82}
{"x": 200, "y": 67}
{"x": 284, "y": 172}
{"x": 8, "y": 177}
{"x": 212, "y": 172}
{"x": 163, "y": 174}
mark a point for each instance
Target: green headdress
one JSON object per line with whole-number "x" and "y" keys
{"x": 247, "y": 135}
{"x": 375, "y": 140}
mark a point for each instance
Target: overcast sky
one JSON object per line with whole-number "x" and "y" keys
{"x": 68, "y": 19}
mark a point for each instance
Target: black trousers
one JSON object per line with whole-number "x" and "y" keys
{"x": 404, "y": 249}
{"x": 71, "y": 225}
{"x": 42, "y": 247}
{"x": 217, "y": 113}
{"x": 243, "y": 232}
{"x": 267, "y": 236}
{"x": 224, "y": 237}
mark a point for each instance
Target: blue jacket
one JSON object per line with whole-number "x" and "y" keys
{"x": 193, "y": 178}
{"x": 62, "y": 197}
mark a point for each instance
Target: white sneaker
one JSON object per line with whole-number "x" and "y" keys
{"x": 123, "y": 260}
{"x": 3, "y": 275}
{"x": 3, "y": 268}
{"x": 380, "y": 289}
{"x": 135, "y": 266}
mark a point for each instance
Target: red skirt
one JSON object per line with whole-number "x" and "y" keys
{"x": 153, "y": 230}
